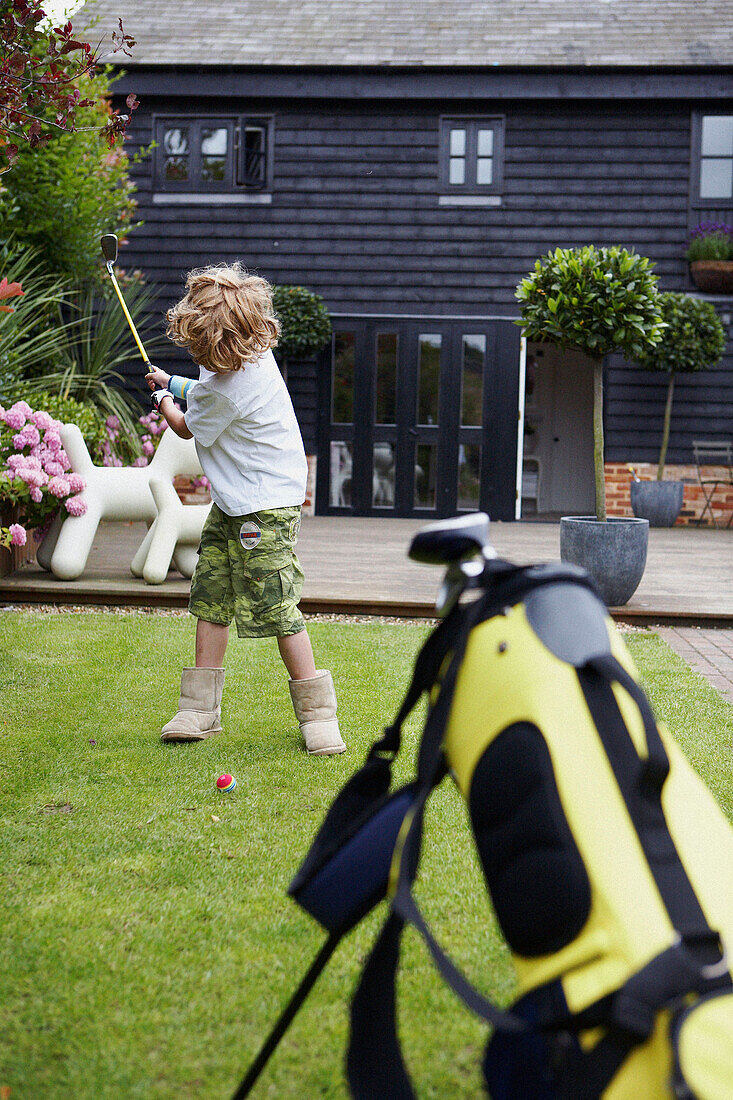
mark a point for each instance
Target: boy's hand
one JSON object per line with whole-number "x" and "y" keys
{"x": 157, "y": 378}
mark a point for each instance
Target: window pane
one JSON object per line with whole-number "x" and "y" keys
{"x": 213, "y": 169}
{"x": 457, "y": 143}
{"x": 175, "y": 141}
{"x": 484, "y": 170}
{"x": 426, "y": 467}
{"x": 469, "y": 476}
{"x": 717, "y": 136}
{"x": 342, "y": 399}
{"x": 716, "y": 178}
{"x": 386, "y": 387}
{"x": 176, "y": 168}
{"x": 175, "y": 145}
{"x": 472, "y": 394}
{"x": 457, "y": 170}
{"x": 485, "y": 143}
{"x": 214, "y": 142}
{"x": 255, "y": 160}
{"x": 383, "y": 476}
{"x": 340, "y": 482}
{"x": 428, "y": 378}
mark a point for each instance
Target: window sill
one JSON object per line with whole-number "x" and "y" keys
{"x": 469, "y": 200}
{"x": 221, "y": 198}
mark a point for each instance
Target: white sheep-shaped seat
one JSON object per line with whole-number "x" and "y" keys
{"x": 112, "y": 493}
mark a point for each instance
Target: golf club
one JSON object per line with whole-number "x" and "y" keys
{"x": 109, "y": 251}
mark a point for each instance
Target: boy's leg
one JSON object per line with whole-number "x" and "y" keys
{"x": 297, "y": 655}
{"x": 199, "y": 705}
{"x": 211, "y": 644}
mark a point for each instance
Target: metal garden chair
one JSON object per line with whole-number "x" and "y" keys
{"x": 711, "y": 453}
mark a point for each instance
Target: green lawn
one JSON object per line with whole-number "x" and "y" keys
{"x": 148, "y": 947}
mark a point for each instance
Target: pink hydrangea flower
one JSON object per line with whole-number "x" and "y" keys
{"x": 113, "y": 423}
{"x": 63, "y": 458}
{"x": 141, "y": 461}
{"x": 148, "y": 447}
{"x": 16, "y": 416}
{"x": 52, "y": 440}
{"x": 17, "y": 535}
{"x": 13, "y": 461}
{"x": 76, "y": 506}
{"x": 28, "y": 437}
{"x": 36, "y": 495}
{"x": 59, "y": 486}
{"x": 42, "y": 420}
{"x": 53, "y": 468}
{"x": 76, "y": 483}
{"x": 32, "y": 477}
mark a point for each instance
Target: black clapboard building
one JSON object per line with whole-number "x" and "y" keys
{"x": 409, "y": 163}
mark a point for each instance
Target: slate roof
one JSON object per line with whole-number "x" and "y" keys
{"x": 451, "y": 33}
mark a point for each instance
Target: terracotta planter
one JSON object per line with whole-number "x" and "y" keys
{"x": 714, "y": 276}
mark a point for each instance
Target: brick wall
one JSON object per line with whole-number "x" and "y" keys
{"x": 618, "y": 501}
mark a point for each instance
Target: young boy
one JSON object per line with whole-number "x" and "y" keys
{"x": 250, "y": 449}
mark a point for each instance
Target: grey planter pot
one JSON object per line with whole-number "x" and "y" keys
{"x": 614, "y": 553}
{"x": 658, "y": 501}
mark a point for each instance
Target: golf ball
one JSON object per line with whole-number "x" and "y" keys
{"x": 226, "y": 783}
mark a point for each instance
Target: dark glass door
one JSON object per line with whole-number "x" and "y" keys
{"x": 418, "y": 417}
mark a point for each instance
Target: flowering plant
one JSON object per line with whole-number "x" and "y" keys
{"x": 35, "y": 473}
{"x": 711, "y": 241}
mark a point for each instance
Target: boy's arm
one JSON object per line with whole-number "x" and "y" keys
{"x": 163, "y": 400}
{"x": 165, "y": 405}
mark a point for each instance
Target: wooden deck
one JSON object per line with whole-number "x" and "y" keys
{"x": 357, "y": 565}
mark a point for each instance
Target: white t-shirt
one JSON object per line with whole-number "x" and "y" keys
{"x": 247, "y": 438}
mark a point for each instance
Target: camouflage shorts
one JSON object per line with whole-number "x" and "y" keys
{"x": 248, "y": 571}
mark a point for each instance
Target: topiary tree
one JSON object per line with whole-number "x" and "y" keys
{"x": 306, "y": 325}
{"x": 596, "y": 301}
{"x": 693, "y": 340}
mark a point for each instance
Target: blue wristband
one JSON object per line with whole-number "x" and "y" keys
{"x": 179, "y": 387}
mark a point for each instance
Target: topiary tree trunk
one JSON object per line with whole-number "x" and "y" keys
{"x": 665, "y": 428}
{"x": 598, "y": 445}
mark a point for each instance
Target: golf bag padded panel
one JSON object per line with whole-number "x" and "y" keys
{"x": 701, "y": 1036}
{"x": 510, "y": 679}
{"x": 533, "y": 869}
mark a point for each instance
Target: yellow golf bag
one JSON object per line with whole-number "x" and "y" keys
{"x": 608, "y": 862}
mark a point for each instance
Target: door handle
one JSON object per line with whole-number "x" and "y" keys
{"x": 412, "y": 431}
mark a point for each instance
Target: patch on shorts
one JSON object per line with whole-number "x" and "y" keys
{"x": 249, "y": 534}
{"x": 294, "y": 529}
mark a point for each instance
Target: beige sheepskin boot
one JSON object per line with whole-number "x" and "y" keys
{"x": 314, "y": 703}
{"x": 199, "y": 707}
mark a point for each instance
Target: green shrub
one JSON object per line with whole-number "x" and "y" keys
{"x": 693, "y": 340}
{"x": 306, "y": 325}
{"x": 596, "y": 301}
{"x": 60, "y": 198}
{"x": 88, "y": 417}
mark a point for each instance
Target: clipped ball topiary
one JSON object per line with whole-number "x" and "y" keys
{"x": 693, "y": 340}
{"x": 596, "y": 301}
{"x": 306, "y": 325}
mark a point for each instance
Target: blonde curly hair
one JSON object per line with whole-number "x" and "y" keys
{"x": 226, "y": 318}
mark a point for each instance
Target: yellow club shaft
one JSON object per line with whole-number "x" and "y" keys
{"x": 126, "y": 311}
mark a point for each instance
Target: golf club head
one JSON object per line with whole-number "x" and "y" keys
{"x": 109, "y": 247}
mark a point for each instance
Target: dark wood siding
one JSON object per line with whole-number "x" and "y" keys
{"x": 355, "y": 216}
